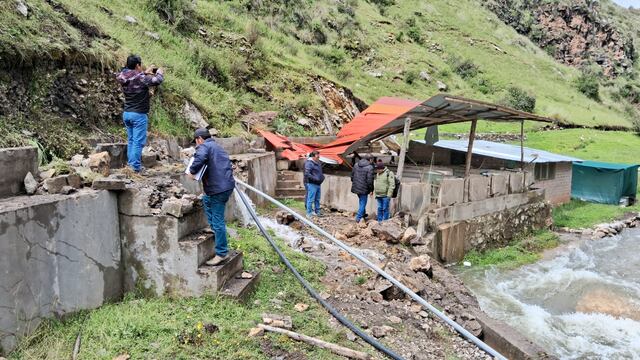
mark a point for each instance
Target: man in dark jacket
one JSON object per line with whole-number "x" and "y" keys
{"x": 135, "y": 85}
{"x": 362, "y": 184}
{"x": 313, "y": 178}
{"x": 218, "y": 184}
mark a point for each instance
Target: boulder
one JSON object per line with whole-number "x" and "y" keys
{"x": 54, "y": 185}
{"x": 76, "y": 160}
{"x": 74, "y": 180}
{"x": 340, "y": 236}
{"x": 421, "y": 264}
{"x": 48, "y": 174}
{"x": 388, "y": 231}
{"x": 30, "y": 184}
{"x": 149, "y": 157}
{"x": 442, "y": 86}
{"x": 176, "y": 207}
{"x": 408, "y": 236}
{"x": 351, "y": 231}
{"x": 194, "y": 116}
{"x": 100, "y": 163}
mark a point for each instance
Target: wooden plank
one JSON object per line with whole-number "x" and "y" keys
{"x": 472, "y": 136}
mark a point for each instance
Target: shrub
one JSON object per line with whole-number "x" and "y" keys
{"x": 179, "y": 13}
{"x": 588, "y": 84}
{"x": 519, "y": 99}
{"x": 411, "y": 76}
{"x": 331, "y": 55}
{"x": 212, "y": 66}
{"x": 465, "y": 68}
{"x": 413, "y": 32}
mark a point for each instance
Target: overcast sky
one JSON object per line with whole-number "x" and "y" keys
{"x": 627, "y": 3}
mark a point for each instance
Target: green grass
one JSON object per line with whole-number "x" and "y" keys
{"x": 579, "y": 214}
{"x": 524, "y": 250}
{"x": 149, "y": 327}
{"x": 297, "y": 205}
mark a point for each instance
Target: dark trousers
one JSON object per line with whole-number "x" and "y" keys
{"x": 214, "y": 206}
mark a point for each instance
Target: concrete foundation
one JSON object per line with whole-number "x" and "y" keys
{"x": 15, "y": 163}
{"x": 58, "y": 254}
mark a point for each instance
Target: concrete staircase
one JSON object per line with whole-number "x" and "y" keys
{"x": 289, "y": 185}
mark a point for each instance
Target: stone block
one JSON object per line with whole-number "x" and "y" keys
{"x": 117, "y": 153}
{"x": 499, "y": 184}
{"x": 109, "y": 184}
{"x": 516, "y": 182}
{"x": 15, "y": 163}
{"x": 451, "y": 192}
{"x": 100, "y": 163}
{"x": 74, "y": 180}
{"x": 478, "y": 187}
{"x": 55, "y": 184}
{"x": 450, "y": 241}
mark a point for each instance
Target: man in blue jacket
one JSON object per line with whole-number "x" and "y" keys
{"x": 313, "y": 178}
{"x": 218, "y": 184}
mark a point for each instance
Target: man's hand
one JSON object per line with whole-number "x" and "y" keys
{"x": 149, "y": 69}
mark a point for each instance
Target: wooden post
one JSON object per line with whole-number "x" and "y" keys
{"x": 472, "y": 136}
{"x": 403, "y": 149}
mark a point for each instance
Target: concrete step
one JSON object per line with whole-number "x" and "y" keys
{"x": 297, "y": 197}
{"x": 289, "y": 192}
{"x": 289, "y": 184}
{"x": 240, "y": 289}
{"x": 288, "y": 175}
{"x": 220, "y": 274}
{"x": 204, "y": 244}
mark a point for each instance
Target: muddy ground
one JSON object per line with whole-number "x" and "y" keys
{"x": 379, "y": 308}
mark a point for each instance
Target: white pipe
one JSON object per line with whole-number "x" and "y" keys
{"x": 479, "y": 343}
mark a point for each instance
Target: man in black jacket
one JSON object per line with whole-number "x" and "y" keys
{"x": 313, "y": 178}
{"x": 362, "y": 184}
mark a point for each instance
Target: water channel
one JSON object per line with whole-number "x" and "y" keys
{"x": 581, "y": 302}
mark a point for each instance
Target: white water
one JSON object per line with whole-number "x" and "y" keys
{"x": 567, "y": 304}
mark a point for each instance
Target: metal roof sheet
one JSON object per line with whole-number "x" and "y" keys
{"x": 504, "y": 151}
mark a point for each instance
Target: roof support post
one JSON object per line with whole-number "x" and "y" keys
{"x": 403, "y": 149}
{"x": 522, "y": 144}
{"x": 472, "y": 136}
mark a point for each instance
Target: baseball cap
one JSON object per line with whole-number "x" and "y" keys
{"x": 201, "y": 132}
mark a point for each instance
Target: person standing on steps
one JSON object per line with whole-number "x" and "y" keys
{"x": 218, "y": 185}
{"x": 383, "y": 187}
{"x": 362, "y": 184}
{"x": 135, "y": 85}
{"x": 313, "y": 178}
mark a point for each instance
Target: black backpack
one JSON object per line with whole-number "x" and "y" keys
{"x": 396, "y": 188}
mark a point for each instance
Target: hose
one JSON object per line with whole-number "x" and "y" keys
{"x": 469, "y": 336}
{"x": 344, "y": 321}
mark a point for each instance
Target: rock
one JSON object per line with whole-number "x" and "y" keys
{"x": 76, "y": 160}
{"x": 599, "y": 234}
{"x": 30, "y": 184}
{"x": 442, "y": 86}
{"x": 246, "y": 275}
{"x": 149, "y": 157}
{"x": 351, "y": 231}
{"x": 423, "y": 314}
{"x": 66, "y": 190}
{"x": 54, "y": 185}
{"x": 254, "y": 332}
{"x": 362, "y": 224}
{"x": 176, "y": 207}
{"x": 300, "y": 307}
{"x": 395, "y": 320}
{"x": 409, "y": 234}
{"x": 74, "y": 180}
{"x": 130, "y": 19}
{"x": 258, "y": 119}
{"x": 305, "y": 122}
{"x": 375, "y": 74}
{"x": 426, "y": 327}
{"x": 152, "y": 35}
{"x": 350, "y": 336}
{"x": 425, "y": 76}
{"x": 44, "y": 175}
{"x": 22, "y": 8}
{"x": 194, "y": 116}
{"x": 381, "y": 331}
{"x": 109, "y": 184}
{"x": 389, "y": 232}
{"x": 100, "y": 163}
{"x": 340, "y": 236}
{"x": 86, "y": 175}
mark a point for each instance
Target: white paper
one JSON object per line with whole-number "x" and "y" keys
{"x": 198, "y": 176}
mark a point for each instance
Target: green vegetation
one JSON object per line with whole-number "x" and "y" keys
{"x": 520, "y": 99}
{"x": 523, "y": 250}
{"x": 580, "y": 214}
{"x": 166, "y": 328}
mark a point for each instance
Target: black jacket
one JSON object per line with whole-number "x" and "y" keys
{"x": 362, "y": 178}
{"x": 313, "y": 172}
{"x": 218, "y": 177}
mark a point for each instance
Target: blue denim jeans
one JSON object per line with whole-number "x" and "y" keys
{"x": 362, "y": 206}
{"x": 313, "y": 199}
{"x": 136, "y": 124}
{"x": 383, "y": 208}
{"x": 214, "y": 206}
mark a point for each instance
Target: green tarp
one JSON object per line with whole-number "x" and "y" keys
{"x": 603, "y": 183}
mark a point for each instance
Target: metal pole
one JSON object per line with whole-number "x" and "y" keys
{"x": 522, "y": 145}
{"x": 469, "y": 336}
{"x": 472, "y": 136}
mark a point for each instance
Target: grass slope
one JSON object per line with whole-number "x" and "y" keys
{"x": 151, "y": 328}
{"x": 524, "y": 250}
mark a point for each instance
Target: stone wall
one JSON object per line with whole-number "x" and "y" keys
{"x": 15, "y": 163}
{"x": 58, "y": 254}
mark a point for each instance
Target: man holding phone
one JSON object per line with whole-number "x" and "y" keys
{"x": 135, "y": 84}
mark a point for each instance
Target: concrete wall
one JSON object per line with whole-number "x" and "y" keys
{"x": 262, "y": 174}
{"x": 58, "y": 254}
{"x": 15, "y": 163}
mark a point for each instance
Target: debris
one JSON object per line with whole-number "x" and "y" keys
{"x": 74, "y": 180}
{"x": 44, "y": 175}
{"x": 100, "y": 163}
{"x": 285, "y": 218}
{"x": 66, "y": 190}
{"x": 336, "y": 349}
{"x": 277, "y": 320}
{"x": 109, "y": 184}
{"x": 54, "y": 185}
{"x": 408, "y": 236}
{"x": 395, "y": 320}
{"x": 30, "y": 184}
{"x": 340, "y": 236}
{"x": 300, "y": 307}
{"x": 421, "y": 264}
{"x": 351, "y": 231}
{"x": 381, "y": 331}
{"x": 259, "y": 120}
{"x": 389, "y": 232}
{"x": 257, "y": 331}
{"x": 246, "y": 275}
{"x": 76, "y": 160}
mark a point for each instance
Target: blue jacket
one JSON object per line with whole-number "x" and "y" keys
{"x": 218, "y": 177}
{"x": 313, "y": 172}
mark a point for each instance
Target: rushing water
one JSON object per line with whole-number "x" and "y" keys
{"x": 583, "y": 303}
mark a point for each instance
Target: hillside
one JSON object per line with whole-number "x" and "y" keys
{"x": 312, "y": 62}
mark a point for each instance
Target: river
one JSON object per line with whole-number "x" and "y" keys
{"x": 582, "y": 302}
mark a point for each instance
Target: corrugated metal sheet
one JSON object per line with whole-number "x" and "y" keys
{"x": 504, "y": 151}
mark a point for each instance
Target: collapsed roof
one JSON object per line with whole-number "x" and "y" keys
{"x": 387, "y": 116}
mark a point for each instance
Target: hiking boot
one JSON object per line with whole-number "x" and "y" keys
{"x": 217, "y": 260}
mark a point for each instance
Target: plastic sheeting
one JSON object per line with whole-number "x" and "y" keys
{"x": 603, "y": 183}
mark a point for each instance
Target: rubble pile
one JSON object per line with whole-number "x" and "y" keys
{"x": 612, "y": 229}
